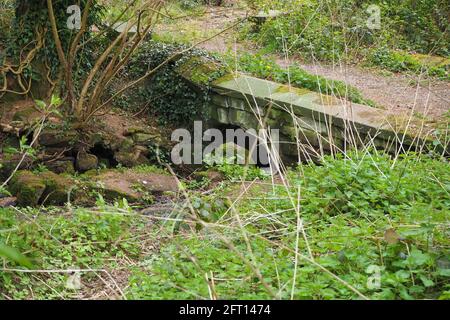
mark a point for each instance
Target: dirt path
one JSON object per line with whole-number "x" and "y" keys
{"x": 396, "y": 92}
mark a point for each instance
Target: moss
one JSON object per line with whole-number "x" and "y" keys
{"x": 57, "y": 188}
{"x": 27, "y": 187}
{"x": 432, "y": 61}
{"x": 289, "y": 89}
{"x": 86, "y": 161}
{"x": 26, "y": 115}
{"x": 113, "y": 193}
{"x": 144, "y": 138}
{"x": 58, "y": 137}
{"x": 148, "y": 169}
{"x": 327, "y": 100}
{"x": 89, "y": 174}
{"x": 133, "y": 130}
{"x": 225, "y": 78}
{"x": 199, "y": 70}
{"x": 63, "y": 166}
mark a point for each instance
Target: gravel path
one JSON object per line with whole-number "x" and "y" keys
{"x": 395, "y": 92}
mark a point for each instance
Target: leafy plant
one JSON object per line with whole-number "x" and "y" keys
{"x": 14, "y": 256}
{"x": 399, "y": 61}
{"x": 171, "y": 98}
{"x": 57, "y": 240}
{"x": 347, "y": 206}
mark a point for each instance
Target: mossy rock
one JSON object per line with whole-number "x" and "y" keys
{"x": 8, "y": 162}
{"x": 57, "y": 188}
{"x": 27, "y": 187}
{"x": 131, "y": 158}
{"x": 27, "y": 115}
{"x": 126, "y": 144}
{"x": 143, "y": 138}
{"x": 133, "y": 130}
{"x": 130, "y": 184}
{"x": 57, "y": 138}
{"x": 61, "y": 166}
{"x": 86, "y": 161}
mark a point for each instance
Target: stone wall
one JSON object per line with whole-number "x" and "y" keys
{"x": 310, "y": 123}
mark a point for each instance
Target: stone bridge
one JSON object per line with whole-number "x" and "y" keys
{"x": 310, "y": 123}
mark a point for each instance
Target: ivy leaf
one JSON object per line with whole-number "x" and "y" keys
{"x": 427, "y": 282}
{"x": 418, "y": 258}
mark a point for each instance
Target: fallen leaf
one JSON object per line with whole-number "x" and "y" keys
{"x": 391, "y": 236}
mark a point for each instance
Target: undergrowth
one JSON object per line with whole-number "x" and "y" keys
{"x": 374, "y": 228}
{"x": 362, "y": 217}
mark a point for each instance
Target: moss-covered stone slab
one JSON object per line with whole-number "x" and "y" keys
{"x": 27, "y": 187}
{"x": 432, "y": 61}
{"x": 86, "y": 161}
{"x": 239, "y": 100}
{"x": 307, "y": 104}
{"x": 58, "y": 188}
{"x": 57, "y": 137}
{"x": 131, "y": 184}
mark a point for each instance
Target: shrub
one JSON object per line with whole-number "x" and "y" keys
{"x": 336, "y": 29}
{"x": 399, "y": 61}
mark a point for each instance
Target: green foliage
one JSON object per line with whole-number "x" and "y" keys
{"x": 58, "y": 240}
{"x": 6, "y": 15}
{"x": 312, "y": 29}
{"x": 170, "y": 97}
{"x": 14, "y": 255}
{"x": 31, "y": 18}
{"x": 266, "y": 68}
{"x": 235, "y": 172}
{"x": 346, "y": 206}
{"x": 336, "y": 29}
{"x": 420, "y": 25}
{"x": 398, "y": 61}
{"x": 369, "y": 186}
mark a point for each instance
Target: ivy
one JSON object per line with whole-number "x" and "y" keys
{"x": 170, "y": 96}
{"x": 31, "y": 18}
